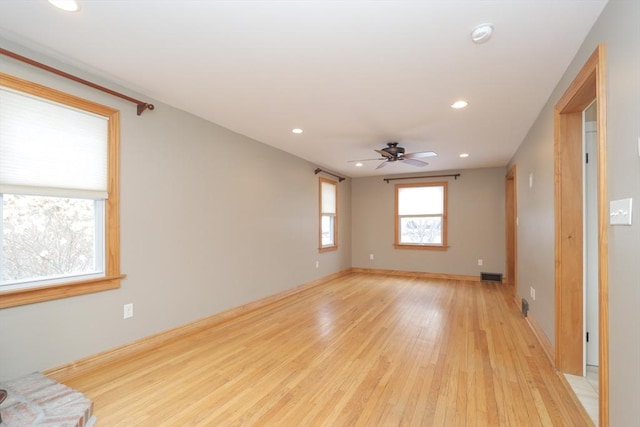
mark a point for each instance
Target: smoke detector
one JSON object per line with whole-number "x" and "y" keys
{"x": 482, "y": 33}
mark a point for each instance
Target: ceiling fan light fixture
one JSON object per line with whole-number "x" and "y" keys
{"x": 359, "y": 164}
{"x": 66, "y": 5}
{"x": 459, "y": 104}
{"x": 482, "y": 33}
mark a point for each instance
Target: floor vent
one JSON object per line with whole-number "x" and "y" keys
{"x": 525, "y": 307}
{"x": 491, "y": 277}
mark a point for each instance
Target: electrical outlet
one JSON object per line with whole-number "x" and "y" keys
{"x": 533, "y": 293}
{"x": 128, "y": 311}
{"x": 480, "y": 262}
{"x": 371, "y": 257}
{"x": 317, "y": 264}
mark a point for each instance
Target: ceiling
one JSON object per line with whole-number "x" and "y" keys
{"x": 352, "y": 74}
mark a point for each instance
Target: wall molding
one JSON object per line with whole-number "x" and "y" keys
{"x": 70, "y": 370}
{"x": 418, "y": 274}
{"x": 548, "y": 350}
{"x": 537, "y": 330}
{"x": 542, "y": 338}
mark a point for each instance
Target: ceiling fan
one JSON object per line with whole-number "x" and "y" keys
{"x": 392, "y": 153}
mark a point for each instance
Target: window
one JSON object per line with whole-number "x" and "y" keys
{"x": 328, "y": 215}
{"x": 421, "y": 215}
{"x": 59, "y": 191}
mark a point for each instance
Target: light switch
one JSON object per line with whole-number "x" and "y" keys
{"x": 620, "y": 212}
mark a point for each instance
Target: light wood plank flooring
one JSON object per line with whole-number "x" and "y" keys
{"x": 362, "y": 350}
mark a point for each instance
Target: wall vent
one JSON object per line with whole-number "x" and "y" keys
{"x": 491, "y": 277}
{"x": 525, "y": 307}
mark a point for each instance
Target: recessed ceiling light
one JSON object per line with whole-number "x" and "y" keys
{"x": 482, "y": 33}
{"x": 464, "y": 155}
{"x": 66, "y": 5}
{"x": 359, "y": 165}
{"x": 459, "y": 104}
{"x": 297, "y": 130}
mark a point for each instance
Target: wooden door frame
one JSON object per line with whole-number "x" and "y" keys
{"x": 588, "y": 85}
{"x": 511, "y": 215}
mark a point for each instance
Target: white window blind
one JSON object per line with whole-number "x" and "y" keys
{"x": 51, "y": 149}
{"x": 328, "y": 198}
{"x": 420, "y": 200}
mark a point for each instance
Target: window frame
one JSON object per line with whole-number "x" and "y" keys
{"x": 112, "y": 275}
{"x": 334, "y": 246}
{"x": 397, "y": 218}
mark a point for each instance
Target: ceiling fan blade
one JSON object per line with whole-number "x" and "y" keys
{"x": 365, "y": 160}
{"x": 414, "y": 162}
{"x": 419, "y": 155}
{"x": 381, "y": 165}
{"x": 384, "y": 154}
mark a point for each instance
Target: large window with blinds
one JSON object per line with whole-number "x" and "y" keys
{"x": 58, "y": 193}
{"x": 328, "y": 214}
{"x": 421, "y": 216}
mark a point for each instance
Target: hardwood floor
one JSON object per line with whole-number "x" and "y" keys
{"x": 363, "y": 350}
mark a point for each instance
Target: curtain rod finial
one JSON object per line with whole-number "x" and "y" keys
{"x": 340, "y": 178}
{"x": 145, "y": 106}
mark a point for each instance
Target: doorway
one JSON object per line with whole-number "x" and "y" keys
{"x": 590, "y": 179}
{"x": 570, "y": 259}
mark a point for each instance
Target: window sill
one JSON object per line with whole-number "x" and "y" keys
{"x": 422, "y": 247}
{"x": 63, "y": 290}
{"x": 328, "y": 249}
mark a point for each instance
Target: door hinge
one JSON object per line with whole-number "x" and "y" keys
{"x": 586, "y": 157}
{"x": 587, "y": 336}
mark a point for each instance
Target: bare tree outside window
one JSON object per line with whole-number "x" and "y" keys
{"x": 421, "y": 230}
{"x": 44, "y": 237}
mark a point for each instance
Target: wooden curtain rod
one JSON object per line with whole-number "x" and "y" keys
{"x": 142, "y": 106}
{"x": 455, "y": 176}
{"x": 340, "y": 178}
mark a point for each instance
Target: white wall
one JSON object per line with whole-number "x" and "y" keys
{"x": 476, "y": 225}
{"x": 619, "y": 29}
{"x": 210, "y": 220}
